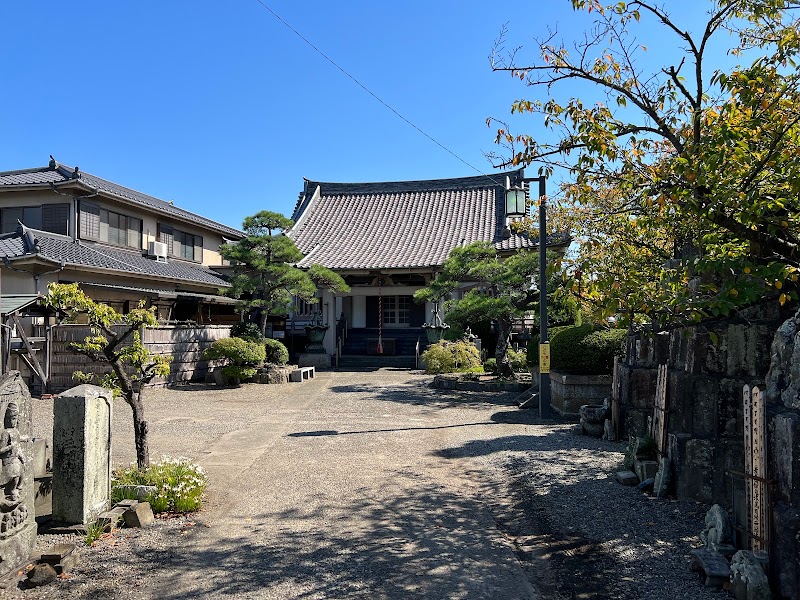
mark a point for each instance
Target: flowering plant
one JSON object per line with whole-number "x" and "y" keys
{"x": 179, "y": 483}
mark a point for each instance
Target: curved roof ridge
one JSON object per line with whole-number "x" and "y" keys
{"x": 332, "y": 188}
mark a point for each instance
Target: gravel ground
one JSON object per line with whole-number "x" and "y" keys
{"x": 375, "y": 485}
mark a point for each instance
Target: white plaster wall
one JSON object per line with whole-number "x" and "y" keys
{"x": 359, "y": 318}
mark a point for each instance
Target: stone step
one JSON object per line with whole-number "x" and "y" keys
{"x": 368, "y": 361}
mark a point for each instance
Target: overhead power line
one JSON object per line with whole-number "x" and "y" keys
{"x": 370, "y": 92}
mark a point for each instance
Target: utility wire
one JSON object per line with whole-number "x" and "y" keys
{"x": 366, "y": 89}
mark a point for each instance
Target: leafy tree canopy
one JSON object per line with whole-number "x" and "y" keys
{"x": 504, "y": 290}
{"x": 115, "y": 341}
{"x": 265, "y": 276}
{"x": 683, "y": 180}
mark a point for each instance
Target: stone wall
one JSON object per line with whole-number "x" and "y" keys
{"x": 568, "y": 392}
{"x": 708, "y": 365}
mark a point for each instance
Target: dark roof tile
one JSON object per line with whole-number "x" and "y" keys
{"x": 61, "y": 174}
{"x": 400, "y": 224}
{"x": 60, "y": 248}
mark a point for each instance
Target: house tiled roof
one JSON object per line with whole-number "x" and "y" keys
{"x": 58, "y": 174}
{"x": 29, "y": 243}
{"x": 401, "y": 224}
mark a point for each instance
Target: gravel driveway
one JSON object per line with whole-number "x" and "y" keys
{"x": 374, "y": 485}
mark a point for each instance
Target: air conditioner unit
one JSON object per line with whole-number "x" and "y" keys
{"x": 157, "y": 250}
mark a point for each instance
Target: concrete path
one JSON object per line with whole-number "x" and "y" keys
{"x": 353, "y": 485}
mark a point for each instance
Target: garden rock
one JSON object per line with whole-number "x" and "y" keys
{"x": 140, "y": 515}
{"x": 626, "y": 477}
{"x": 748, "y": 578}
{"x": 711, "y": 565}
{"x": 608, "y": 431}
{"x": 645, "y": 469}
{"x": 41, "y": 574}
{"x": 139, "y": 492}
{"x": 663, "y": 479}
{"x": 593, "y": 418}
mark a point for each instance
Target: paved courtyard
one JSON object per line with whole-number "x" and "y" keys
{"x": 374, "y": 485}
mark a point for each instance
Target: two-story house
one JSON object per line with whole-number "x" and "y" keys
{"x": 58, "y": 223}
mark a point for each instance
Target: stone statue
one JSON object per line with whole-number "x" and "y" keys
{"x": 718, "y": 534}
{"x": 12, "y": 512}
{"x": 11, "y": 456}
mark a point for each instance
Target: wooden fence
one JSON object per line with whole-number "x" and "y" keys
{"x": 185, "y": 343}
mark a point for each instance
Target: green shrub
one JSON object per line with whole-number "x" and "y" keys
{"x": 583, "y": 349}
{"x": 179, "y": 483}
{"x": 490, "y": 366}
{"x": 236, "y": 351}
{"x": 247, "y": 331}
{"x": 451, "y": 357}
{"x": 236, "y": 374}
{"x": 518, "y": 360}
{"x": 240, "y": 356}
{"x": 276, "y": 352}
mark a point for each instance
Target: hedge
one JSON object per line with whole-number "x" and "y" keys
{"x": 581, "y": 349}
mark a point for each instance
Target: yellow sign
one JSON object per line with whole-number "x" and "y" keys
{"x": 544, "y": 358}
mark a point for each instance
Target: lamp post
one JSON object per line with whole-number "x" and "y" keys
{"x": 512, "y": 208}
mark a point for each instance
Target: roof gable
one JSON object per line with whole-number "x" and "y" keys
{"x": 61, "y": 175}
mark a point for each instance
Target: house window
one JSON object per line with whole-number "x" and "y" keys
{"x": 90, "y": 221}
{"x": 48, "y": 217}
{"x": 181, "y": 244}
{"x": 396, "y": 311}
{"x": 110, "y": 227}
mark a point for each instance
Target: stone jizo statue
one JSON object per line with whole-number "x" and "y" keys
{"x": 11, "y": 456}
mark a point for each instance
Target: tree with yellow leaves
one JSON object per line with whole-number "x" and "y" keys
{"x": 115, "y": 341}
{"x": 683, "y": 181}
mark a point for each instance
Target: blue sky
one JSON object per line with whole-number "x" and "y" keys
{"x": 222, "y": 109}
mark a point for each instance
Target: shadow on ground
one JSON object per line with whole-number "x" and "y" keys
{"x": 414, "y": 539}
{"x": 418, "y": 392}
{"x": 589, "y": 536}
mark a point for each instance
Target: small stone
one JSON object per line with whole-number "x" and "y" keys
{"x": 126, "y": 503}
{"x": 646, "y": 485}
{"x": 626, "y": 477}
{"x": 62, "y": 557}
{"x": 55, "y": 554}
{"x": 111, "y": 518}
{"x": 139, "y": 492}
{"x": 41, "y": 574}
{"x": 140, "y": 515}
{"x": 645, "y": 469}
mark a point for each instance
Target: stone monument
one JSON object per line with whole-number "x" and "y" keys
{"x": 81, "y": 454}
{"x": 17, "y": 515}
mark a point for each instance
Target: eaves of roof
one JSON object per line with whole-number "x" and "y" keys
{"x": 404, "y": 224}
{"x": 30, "y": 246}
